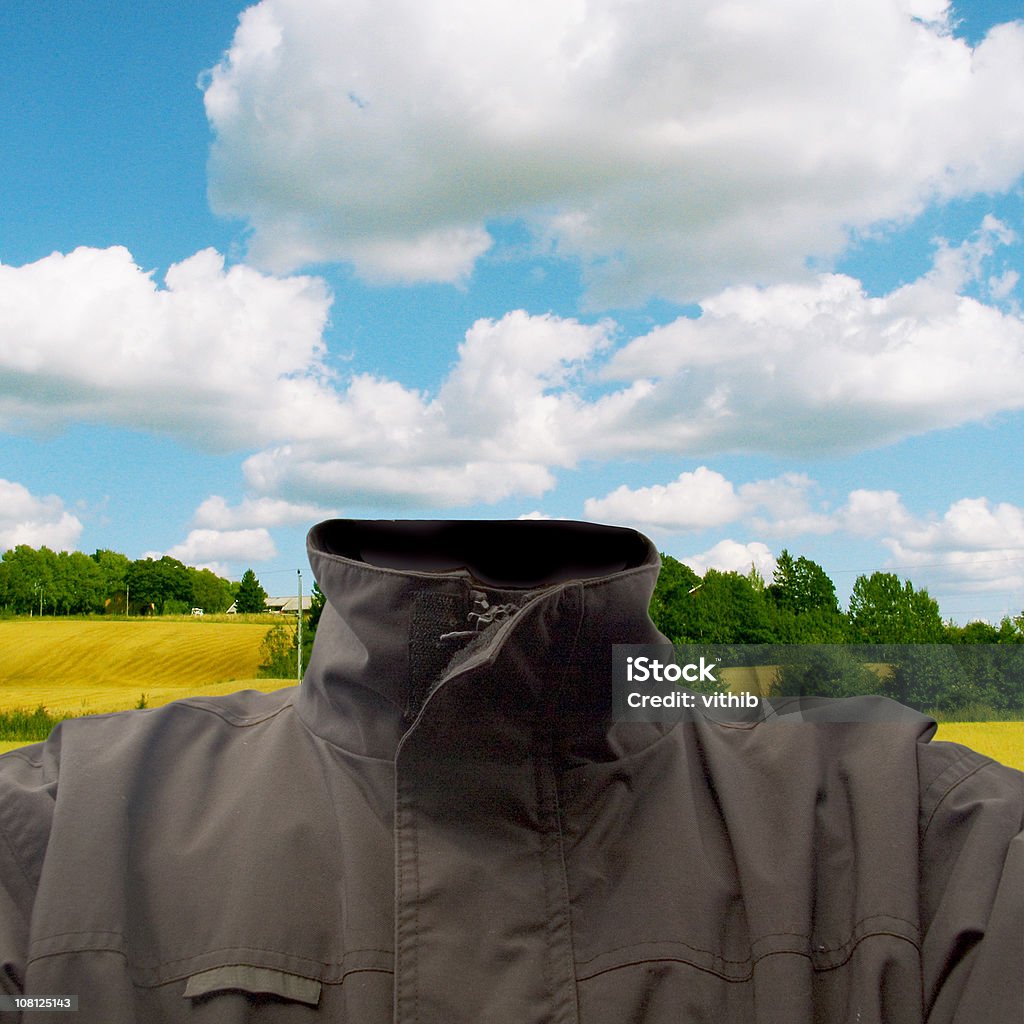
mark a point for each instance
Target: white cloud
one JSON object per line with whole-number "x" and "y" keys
{"x": 674, "y": 148}
{"x": 783, "y": 506}
{"x": 232, "y": 359}
{"x": 691, "y": 502}
{"x": 37, "y": 522}
{"x": 213, "y": 548}
{"x": 732, "y": 556}
{"x": 216, "y": 514}
{"x": 704, "y": 498}
{"x": 822, "y": 366}
{"x": 225, "y": 357}
{"x": 875, "y": 513}
{"x": 977, "y": 545}
{"x": 501, "y": 419}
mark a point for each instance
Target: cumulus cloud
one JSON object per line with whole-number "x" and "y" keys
{"x": 732, "y": 556}
{"x": 704, "y": 498}
{"x": 216, "y": 514}
{"x": 211, "y": 549}
{"x": 234, "y": 360}
{"x": 870, "y": 513}
{"x": 691, "y": 502}
{"x": 673, "y": 148}
{"x": 976, "y": 544}
{"x": 505, "y": 415}
{"x": 37, "y": 522}
{"x": 823, "y": 366}
{"x": 223, "y": 356}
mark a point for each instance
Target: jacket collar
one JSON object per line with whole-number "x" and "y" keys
{"x": 412, "y": 605}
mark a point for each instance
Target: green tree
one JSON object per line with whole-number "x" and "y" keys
{"x": 310, "y": 623}
{"x": 210, "y": 592}
{"x": 727, "y": 609}
{"x": 1011, "y": 630}
{"x": 277, "y": 653}
{"x": 113, "y": 568}
{"x": 885, "y": 611}
{"x": 802, "y": 586}
{"x": 21, "y": 579}
{"x": 250, "y": 597}
{"x": 973, "y": 633}
{"x": 78, "y": 583}
{"x": 670, "y": 604}
{"x": 154, "y": 582}
{"x": 824, "y": 670}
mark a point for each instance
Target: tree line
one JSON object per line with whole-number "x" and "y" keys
{"x": 799, "y": 606}
{"x": 38, "y": 581}
{"x": 889, "y": 640}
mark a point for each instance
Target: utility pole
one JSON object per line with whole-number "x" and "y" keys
{"x": 298, "y": 645}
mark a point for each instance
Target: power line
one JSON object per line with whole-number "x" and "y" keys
{"x": 944, "y": 565}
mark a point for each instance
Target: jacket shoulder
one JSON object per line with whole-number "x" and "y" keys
{"x": 972, "y": 884}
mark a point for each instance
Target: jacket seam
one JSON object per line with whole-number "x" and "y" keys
{"x": 853, "y": 939}
{"x": 167, "y": 971}
{"x": 953, "y": 784}
{"x": 753, "y": 961}
{"x": 237, "y": 721}
{"x": 563, "y": 876}
{"x": 21, "y": 754}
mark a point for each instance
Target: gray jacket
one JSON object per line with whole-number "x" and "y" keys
{"x": 442, "y": 824}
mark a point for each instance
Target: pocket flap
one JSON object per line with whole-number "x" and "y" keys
{"x": 265, "y": 980}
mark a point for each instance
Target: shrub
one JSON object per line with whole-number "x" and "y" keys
{"x": 19, "y": 724}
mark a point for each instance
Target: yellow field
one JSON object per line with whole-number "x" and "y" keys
{"x": 1003, "y": 741}
{"x": 84, "y": 667}
{"x": 89, "y": 666}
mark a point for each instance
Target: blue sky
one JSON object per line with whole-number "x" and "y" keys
{"x": 744, "y": 277}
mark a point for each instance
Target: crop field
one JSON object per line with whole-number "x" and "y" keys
{"x": 78, "y": 667}
{"x": 88, "y": 666}
{"x": 1003, "y": 741}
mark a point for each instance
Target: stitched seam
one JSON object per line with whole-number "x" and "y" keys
{"x": 21, "y": 755}
{"x": 416, "y": 920}
{"x": 760, "y": 939}
{"x": 564, "y": 877}
{"x": 153, "y": 965}
{"x": 756, "y": 960}
{"x": 227, "y": 716}
{"x": 542, "y": 856}
{"x": 950, "y": 787}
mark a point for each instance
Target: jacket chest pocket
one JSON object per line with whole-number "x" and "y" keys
{"x": 240, "y": 989}
{"x": 249, "y": 994}
{"x": 255, "y": 981}
{"x": 236, "y": 993}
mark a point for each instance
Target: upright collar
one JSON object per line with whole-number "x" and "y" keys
{"x": 411, "y": 605}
